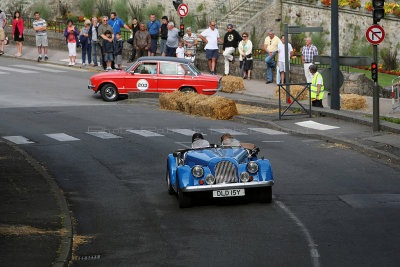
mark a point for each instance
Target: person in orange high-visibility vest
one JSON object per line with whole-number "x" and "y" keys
{"x": 317, "y": 87}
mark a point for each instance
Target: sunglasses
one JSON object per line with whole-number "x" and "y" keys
{"x": 212, "y": 25}
{"x": 244, "y": 36}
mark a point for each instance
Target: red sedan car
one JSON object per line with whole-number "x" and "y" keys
{"x": 155, "y": 74}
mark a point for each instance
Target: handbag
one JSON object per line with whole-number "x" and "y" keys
{"x": 249, "y": 56}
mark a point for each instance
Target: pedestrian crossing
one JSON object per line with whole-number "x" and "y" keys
{"x": 36, "y": 68}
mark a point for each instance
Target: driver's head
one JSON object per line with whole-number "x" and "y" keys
{"x": 197, "y": 136}
{"x": 226, "y": 136}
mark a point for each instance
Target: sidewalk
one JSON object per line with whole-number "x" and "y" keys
{"x": 35, "y": 227}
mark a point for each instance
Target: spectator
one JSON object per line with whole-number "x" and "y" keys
{"x": 180, "y": 51}
{"x": 101, "y": 36}
{"x": 317, "y": 87}
{"x": 142, "y": 41}
{"x": 3, "y": 24}
{"x": 93, "y": 37}
{"x": 190, "y": 56}
{"x": 39, "y": 26}
{"x": 118, "y": 46}
{"x": 246, "y": 57}
{"x": 116, "y": 23}
{"x": 134, "y": 29}
{"x": 211, "y": 37}
{"x": 154, "y": 28}
{"x": 71, "y": 34}
{"x": 85, "y": 43}
{"x": 190, "y": 41}
{"x": 271, "y": 46}
{"x": 281, "y": 57}
{"x": 164, "y": 36}
{"x": 18, "y": 32}
{"x": 172, "y": 41}
{"x": 231, "y": 41}
{"x": 108, "y": 49}
{"x": 308, "y": 52}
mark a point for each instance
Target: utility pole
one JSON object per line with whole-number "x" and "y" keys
{"x": 335, "y": 88}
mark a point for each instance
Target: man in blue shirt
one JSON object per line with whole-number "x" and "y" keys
{"x": 116, "y": 23}
{"x": 154, "y": 28}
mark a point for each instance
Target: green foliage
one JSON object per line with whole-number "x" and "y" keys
{"x": 86, "y": 7}
{"x": 201, "y": 21}
{"x": 224, "y": 10}
{"x": 200, "y": 7}
{"x": 103, "y": 7}
{"x": 319, "y": 40}
{"x": 189, "y": 21}
{"x": 135, "y": 11}
{"x": 43, "y": 8}
{"x": 156, "y": 9}
{"x": 298, "y": 41}
{"x": 389, "y": 58}
{"x": 121, "y": 8}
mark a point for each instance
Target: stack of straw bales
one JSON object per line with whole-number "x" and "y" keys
{"x": 294, "y": 91}
{"x": 232, "y": 83}
{"x": 215, "y": 107}
{"x": 353, "y": 101}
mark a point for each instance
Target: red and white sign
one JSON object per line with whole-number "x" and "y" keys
{"x": 375, "y": 34}
{"x": 183, "y": 10}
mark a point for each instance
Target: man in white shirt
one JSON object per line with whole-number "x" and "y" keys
{"x": 211, "y": 37}
{"x": 281, "y": 57}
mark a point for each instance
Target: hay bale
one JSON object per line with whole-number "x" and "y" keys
{"x": 169, "y": 100}
{"x": 181, "y": 99}
{"x": 231, "y": 83}
{"x": 294, "y": 91}
{"x": 353, "y": 101}
{"x": 190, "y": 105}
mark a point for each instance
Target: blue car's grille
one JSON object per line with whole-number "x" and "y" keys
{"x": 225, "y": 172}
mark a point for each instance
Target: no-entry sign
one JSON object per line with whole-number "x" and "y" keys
{"x": 375, "y": 34}
{"x": 183, "y": 10}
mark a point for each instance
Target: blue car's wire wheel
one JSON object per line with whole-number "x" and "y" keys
{"x": 225, "y": 172}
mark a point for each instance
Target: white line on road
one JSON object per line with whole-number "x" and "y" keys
{"x": 17, "y": 70}
{"x": 144, "y": 133}
{"x": 34, "y": 67}
{"x": 311, "y": 244}
{"x": 62, "y": 137}
{"x": 232, "y": 132}
{"x": 19, "y": 140}
{"x": 4, "y": 72}
{"x": 267, "y": 131}
{"x": 186, "y": 132}
{"x": 104, "y": 135}
{"x": 316, "y": 125}
{"x": 272, "y": 141}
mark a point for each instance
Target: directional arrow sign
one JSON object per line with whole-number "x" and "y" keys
{"x": 375, "y": 34}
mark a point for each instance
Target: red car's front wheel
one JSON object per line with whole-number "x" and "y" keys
{"x": 109, "y": 92}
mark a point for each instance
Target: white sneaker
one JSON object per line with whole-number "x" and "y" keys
{"x": 73, "y": 64}
{"x": 70, "y": 63}
{"x": 98, "y": 64}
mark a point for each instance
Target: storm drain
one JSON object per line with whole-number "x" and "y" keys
{"x": 86, "y": 258}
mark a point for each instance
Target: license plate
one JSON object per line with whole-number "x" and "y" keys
{"x": 229, "y": 193}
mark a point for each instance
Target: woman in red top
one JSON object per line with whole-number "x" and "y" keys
{"x": 71, "y": 36}
{"x": 18, "y": 32}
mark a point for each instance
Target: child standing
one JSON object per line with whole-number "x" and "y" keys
{"x": 118, "y": 46}
{"x": 108, "y": 50}
{"x": 180, "y": 51}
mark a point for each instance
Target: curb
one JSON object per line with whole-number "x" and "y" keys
{"x": 66, "y": 240}
{"x": 388, "y": 157}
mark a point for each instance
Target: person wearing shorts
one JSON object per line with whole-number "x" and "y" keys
{"x": 211, "y": 37}
{"x": 39, "y": 26}
{"x": 3, "y": 24}
{"x": 154, "y": 28}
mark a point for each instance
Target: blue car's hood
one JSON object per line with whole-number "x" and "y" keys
{"x": 205, "y": 156}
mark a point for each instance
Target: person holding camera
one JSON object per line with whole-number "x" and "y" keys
{"x": 246, "y": 57}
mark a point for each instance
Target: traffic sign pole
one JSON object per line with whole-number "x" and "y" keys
{"x": 335, "y": 87}
{"x": 375, "y": 100}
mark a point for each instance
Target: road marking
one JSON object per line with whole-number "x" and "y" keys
{"x": 18, "y": 70}
{"x": 64, "y": 67}
{"x": 313, "y": 247}
{"x": 272, "y": 141}
{"x": 144, "y": 133}
{"x": 4, "y": 72}
{"x": 316, "y": 125}
{"x": 32, "y": 67}
{"x": 267, "y": 131}
{"x": 19, "y": 140}
{"x": 62, "y": 137}
{"x": 232, "y": 132}
{"x": 186, "y": 132}
{"x": 104, "y": 135}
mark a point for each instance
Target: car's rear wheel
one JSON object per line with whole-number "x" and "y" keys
{"x": 265, "y": 195}
{"x": 109, "y": 92}
{"x": 169, "y": 185}
{"x": 188, "y": 90}
{"x": 184, "y": 199}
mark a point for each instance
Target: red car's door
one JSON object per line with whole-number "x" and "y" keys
{"x": 171, "y": 76}
{"x": 142, "y": 78}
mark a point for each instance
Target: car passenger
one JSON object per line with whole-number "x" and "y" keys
{"x": 228, "y": 140}
{"x": 198, "y": 141}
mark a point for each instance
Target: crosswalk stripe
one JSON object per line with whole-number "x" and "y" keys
{"x": 32, "y": 67}
{"x": 62, "y": 137}
{"x": 316, "y": 125}
{"x": 267, "y": 131}
{"x": 3, "y": 72}
{"x": 18, "y": 70}
{"x": 230, "y": 131}
{"x": 144, "y": 133}
{"x": 19, "y": 140}
{"x": 104, "y": 135}
{"x": 186, "y": 132}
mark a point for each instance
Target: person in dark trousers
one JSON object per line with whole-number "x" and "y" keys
{"x": 94, "y": 40}
{"x": 108, "y": 50}
{"x": 164, "y": 36}
{"x": 317, "y": 87}
{"x": 134, "y": 30}
{"x": 118, "y": 46}
{"x": 231, "y": 42}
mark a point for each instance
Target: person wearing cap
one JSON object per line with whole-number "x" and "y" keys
{"x": 231, "y": 41}
{"x": 317, "y": 87}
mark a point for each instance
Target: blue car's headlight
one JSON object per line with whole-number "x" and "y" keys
{"x": 244, "y": 177}
{"x": 197, "y": 171}
{"x": 252, "y": 167}
{"x": 210, "y": 179}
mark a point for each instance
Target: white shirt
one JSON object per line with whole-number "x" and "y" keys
{"x": 180, "y": 52}
{"x": 281, "y": 51}
{"x": 212, "y": 38}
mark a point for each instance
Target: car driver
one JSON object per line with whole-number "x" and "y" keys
{"x": 198, "y": 141}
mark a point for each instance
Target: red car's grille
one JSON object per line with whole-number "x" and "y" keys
{"x": 225, "y": 172}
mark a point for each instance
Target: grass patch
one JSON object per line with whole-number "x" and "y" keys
{"x": 388, "y": 119}
{"x": 384, "y": 79}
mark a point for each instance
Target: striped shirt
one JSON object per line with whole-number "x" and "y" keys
{"x": 41, "y": 23}
{"x": 309, "y": 53}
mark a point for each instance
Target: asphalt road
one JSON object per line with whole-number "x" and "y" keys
{"x": 332, "y": 206}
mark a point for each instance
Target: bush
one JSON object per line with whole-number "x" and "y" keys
{"x": 103, "y": 7}
{"x": 135, "y": 11}
{"x": 389, "y": 58}
{"x": 156, "y": 9}
{"x": 298, "y": 41}
{"x": 318, "y": 39}
{"x": 121, "y": 8}
{"x": 86, "y": 7}
{"x": 43, "y": 8}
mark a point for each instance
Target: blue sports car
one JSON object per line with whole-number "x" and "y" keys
{"x": 218, "y": 171}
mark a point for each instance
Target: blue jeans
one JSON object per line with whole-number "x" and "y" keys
{"x": 269, "y": 61}
{"x": 96, "y": 51}
{"x": 87, "y": 49}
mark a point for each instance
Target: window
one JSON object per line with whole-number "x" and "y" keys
{"x": 146, "y": 68}
{"x": 171, "y": 68}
